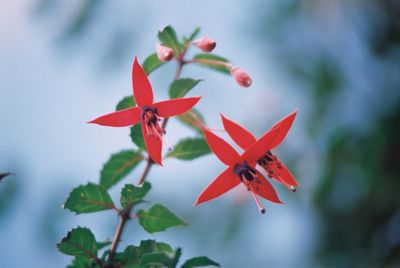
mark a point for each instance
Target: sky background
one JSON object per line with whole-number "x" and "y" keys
{"x": 64, "y": 63}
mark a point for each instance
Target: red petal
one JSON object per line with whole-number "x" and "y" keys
{"x": 174, "y": 107}
{"x": 141, "y": 85}
{"x": 222, "y": 184}
{"x": 286, "y": 175}
{"x": 260, "y": 147}
{"x": 283, "y": 125}
{"x": 240, "y": 135}
{"x": 221, "y": 148}
{"x": 122, "y": 118}
{"x": 264, "y": 189}
{"x": 153, "y": 145}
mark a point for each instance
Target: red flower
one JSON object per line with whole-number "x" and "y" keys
{"x": 241, "y": 168}
{"x": 147, "y": 112}
{"x": 269, "y": 162}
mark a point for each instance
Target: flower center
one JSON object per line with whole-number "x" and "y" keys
{"x": 244, "y": 171}
{"x": 247, "y": 174}
{"x": 150, "y": 118}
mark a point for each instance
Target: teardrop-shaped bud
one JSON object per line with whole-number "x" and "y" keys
{"x": 205, "y": 44}
{"x": 164, "y": 53}
{"x": 241, "y": 77}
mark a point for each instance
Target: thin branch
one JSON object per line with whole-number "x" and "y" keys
{"x": 125, "y": 215}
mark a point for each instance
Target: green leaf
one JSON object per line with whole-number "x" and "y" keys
{"x": 126, "y": 102}
{"x": 199, "y": 262}
{"x": 151, "y": 63}
{"x": 80, "y": 262}
{"x": 132, "y": 195}
{"x": 212, "y": 57}
{"x": 118, "y": 166}
{"x": 179, "y": 88}
{"x": 158, "y": 218}
{"x": 131, "y": 255}
{"x": 193, "y": 119}
{"x": 155, "y": 259}
{"x": 88, "y": 198}
{"x": 167, "y": 37}
{"x": 103, "y": 244}
{"x": 150, "y": 245}
{"x": 79, "y": 242}
{"x": 193, "y": 35}
{"x": 137, "y": 136}
{"x": 176, "y": 258}
{"x": 189, "y": 149}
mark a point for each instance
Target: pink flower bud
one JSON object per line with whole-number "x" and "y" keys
{"x": 241, "y": 77}
{"x": 205, "y": 43}
{"x": 164, "y": 53}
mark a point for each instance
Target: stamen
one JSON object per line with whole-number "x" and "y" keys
{"x": 255, "y": 197}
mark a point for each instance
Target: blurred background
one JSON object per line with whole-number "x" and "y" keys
{"x": 63, "y": 63}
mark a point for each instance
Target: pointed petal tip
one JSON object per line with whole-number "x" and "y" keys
{"x": 197, "y": 202}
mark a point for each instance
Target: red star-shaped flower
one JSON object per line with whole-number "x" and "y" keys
{"x": 269, "y": 162}
{"x": 242, "y": 168}
{"x": 147, "y": 112}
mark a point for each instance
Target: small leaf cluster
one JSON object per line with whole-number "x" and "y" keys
{"x": 80, "y": 242}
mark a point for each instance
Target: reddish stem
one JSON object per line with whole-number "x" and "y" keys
{"x": 125, "y": 215}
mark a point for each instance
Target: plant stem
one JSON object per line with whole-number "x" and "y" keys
{"x": 125, "y": 215}
{"x": 212, "y": 62}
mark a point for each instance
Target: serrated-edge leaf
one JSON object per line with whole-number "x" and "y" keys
{"x": 131, "y": 195}
{"x": 208, "y": 56}
{"x": 168, "y": 37}
{"x": 88, "y": 198}
{"x": 131, "y": 255}
{"x": 154, "y": 259}
{"x": 80, "y": 242}
{"x": 199, "y": 262}
{"x": 179, "y": 88}
{"x": 118, "y": 166}
{"x": 126, "y": 102}
{"x": 158, "y": 218}
{"x": 189, "y": 149}
{"x": 137, "y": 136}
{"x": 151, "y": 63}
{"x": 80, "y": 262}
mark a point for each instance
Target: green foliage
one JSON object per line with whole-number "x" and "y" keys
{"x": 193, "y": 35}
{"x": 189, "y": 149}
{"x": 151, "y": 63}
{"x": 103, "y": 244}
{"x": 132, "y": 195}
{"x": 179, "y": 88}
{"x": 137, "y": 136}
{"x": 79, "y": 242}
{"x": 126, "y": 102}
{"x": 81, "y": 262}
{"x": 199, "y": 262}
{"x": 149, "y": 254}
{"x": 118, "y": 166}
{"x": 158, "y": 218}
{"x": 192, "y": 119}
{"x": 88, "y": 198}
{"x": 208, "y": 56}
{"x": 168, "y": 37}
